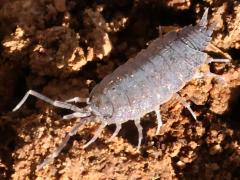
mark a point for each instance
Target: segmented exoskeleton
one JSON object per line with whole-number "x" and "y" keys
{"x": 143, "y": 83}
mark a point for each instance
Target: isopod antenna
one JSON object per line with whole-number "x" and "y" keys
{"x": 72, "y": 132}
{"x": 78, "y": 112}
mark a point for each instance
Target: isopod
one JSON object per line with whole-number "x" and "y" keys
{"x": 142, "y": 84}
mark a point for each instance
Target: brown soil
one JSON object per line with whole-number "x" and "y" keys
{"x": 63, "y": 48}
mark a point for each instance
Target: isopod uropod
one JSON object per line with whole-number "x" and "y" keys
{"x": 142, "y": 84}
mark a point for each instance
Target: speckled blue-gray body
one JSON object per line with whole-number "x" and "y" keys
{"x": 153, "y": 76}
{"x": 140, "y": 85}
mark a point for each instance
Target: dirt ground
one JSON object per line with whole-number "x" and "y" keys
{"x": 63, "y": 48}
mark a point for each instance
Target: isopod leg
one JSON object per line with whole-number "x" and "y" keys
{"x": 52, "y": 156}
{"x": 97, "y": 134}
{"x": 219, "y": 78}
{"x": 78, "y": 100}
{"x": 140, "y": 134}
{"x": 48, "y": 100}
{"x": 159, "y": 120}
{"x": 75, "y": 115}
{"x": 118, "y": 128}
{"x": 186, "y": 105}
{"x": 212, "y": 47}
{"x": 211, "y": 60}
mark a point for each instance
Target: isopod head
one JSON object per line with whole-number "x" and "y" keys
{"x": 100, "y": 105}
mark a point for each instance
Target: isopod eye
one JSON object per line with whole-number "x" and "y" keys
{"x": 102, "y": 106}
{"x": 105, "y": 107}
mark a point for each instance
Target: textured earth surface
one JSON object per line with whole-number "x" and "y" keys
{"x": 63, "y": 48}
